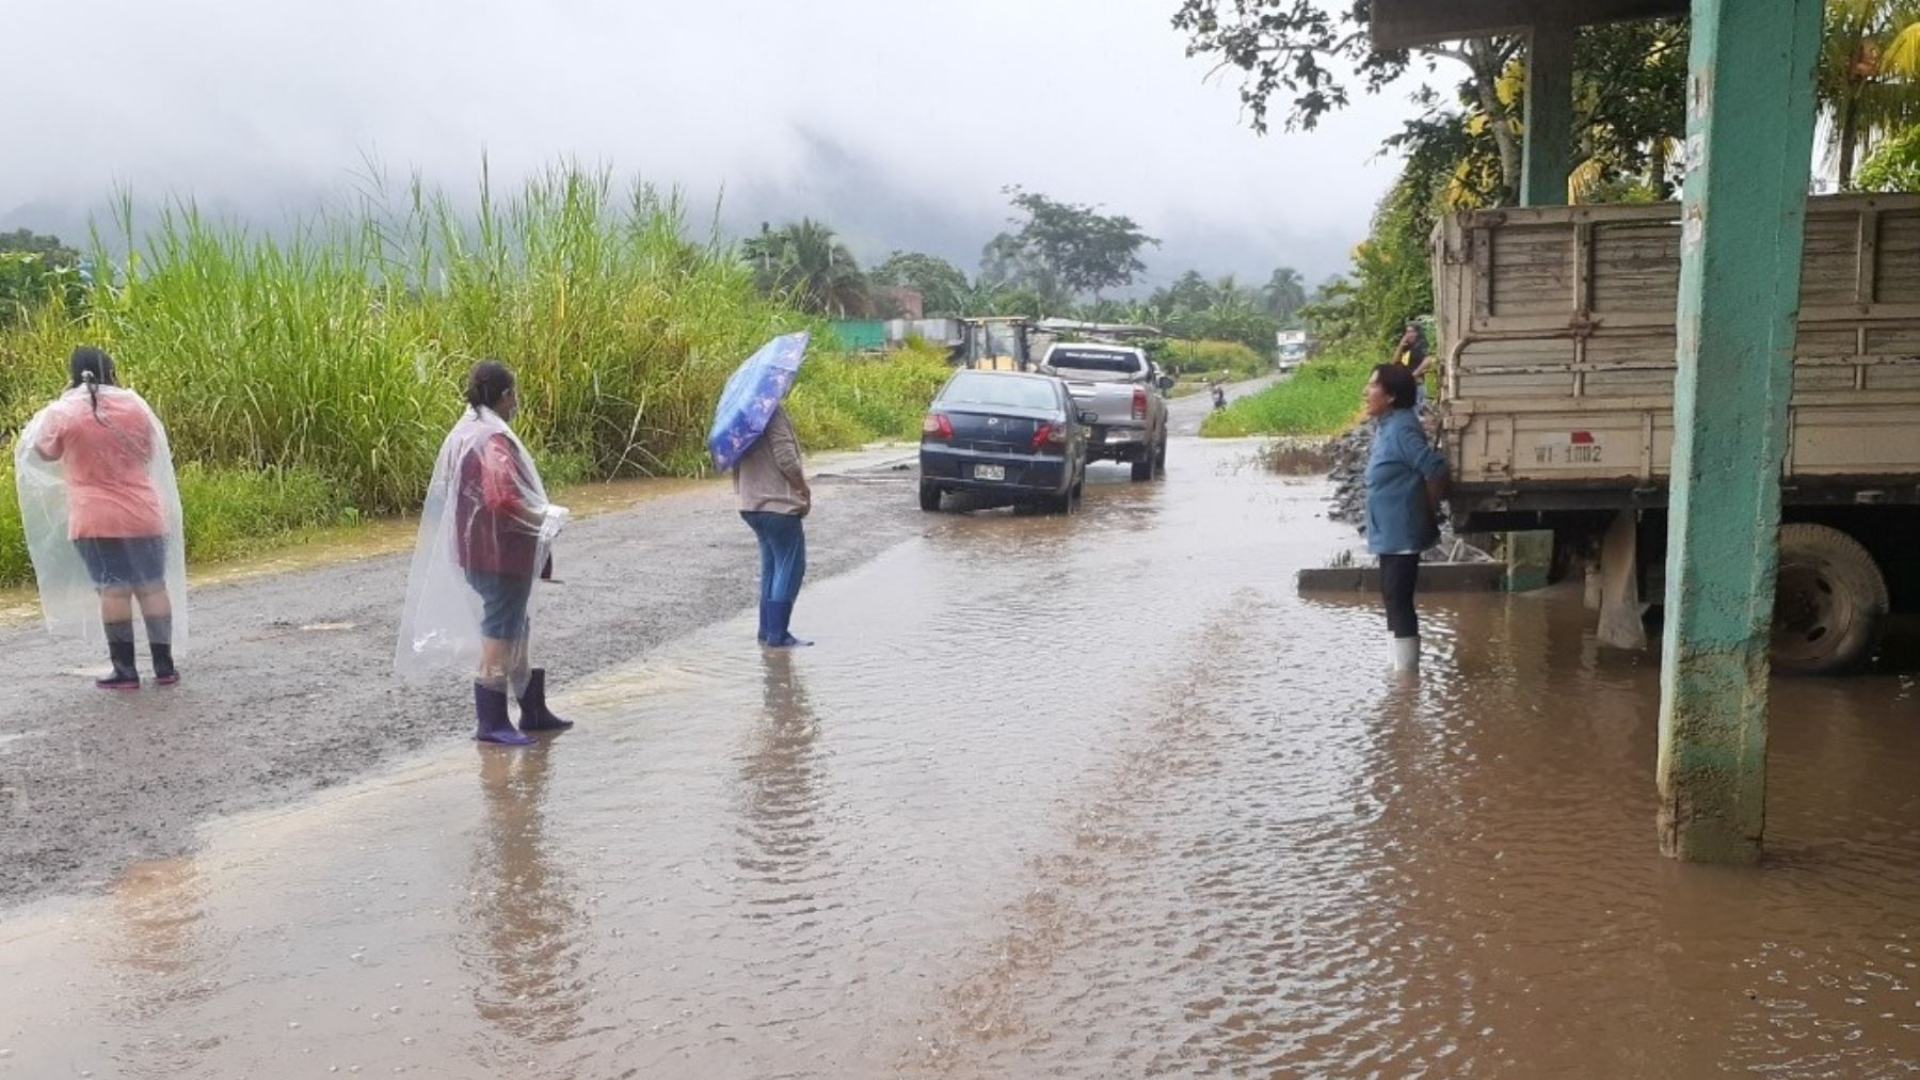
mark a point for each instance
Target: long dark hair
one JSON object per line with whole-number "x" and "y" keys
{"x": 487, "y": 383}
{"x": 93, "y": 368}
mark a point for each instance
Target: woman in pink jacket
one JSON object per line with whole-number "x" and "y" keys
{"x": 100, "y": 455}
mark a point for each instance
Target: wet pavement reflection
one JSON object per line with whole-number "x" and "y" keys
{"x": 1086, "y": 796}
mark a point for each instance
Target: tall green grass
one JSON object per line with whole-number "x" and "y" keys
{"x": 1322, "y": 398}
{"x": 846, "y": 400}
{"x": 309, "y": 377}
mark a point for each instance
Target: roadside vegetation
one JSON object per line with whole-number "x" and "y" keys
{"x": 307, "y": 376}
{"x": 307, "y": 380}
{"x": 1196, "y": 361}
{"x": 1463, "y": 151}
{"x": 1322, "y": 398}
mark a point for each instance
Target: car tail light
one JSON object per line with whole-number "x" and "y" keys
{"x": 1139, "y": 403}
{"x": 1049, "y": 434}
{"x": 937, "y": 425}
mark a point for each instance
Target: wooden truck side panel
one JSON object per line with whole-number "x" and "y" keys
{"x": 1558, "y": 326}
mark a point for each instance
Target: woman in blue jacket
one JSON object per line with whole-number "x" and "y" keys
{"x": 1406, "y": 479}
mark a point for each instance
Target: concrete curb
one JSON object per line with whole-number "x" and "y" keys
{"x": 1434, "y": 577}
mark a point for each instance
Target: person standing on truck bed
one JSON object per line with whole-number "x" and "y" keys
{"x": 1406, "y": 479}
{"x": 1413, "y": 354}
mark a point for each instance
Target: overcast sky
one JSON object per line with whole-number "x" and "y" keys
{"x": 897, "y": 121}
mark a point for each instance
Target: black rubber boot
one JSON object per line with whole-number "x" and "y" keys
{"x": 164, "y": 673}
{"x": 120, "y": 647}
{"x": 534, "y": 714}
{"x": 160, "y": 642}
{"x": 495, "y": 726}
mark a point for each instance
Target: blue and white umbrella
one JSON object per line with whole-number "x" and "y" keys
{"x": 751, "y": 395}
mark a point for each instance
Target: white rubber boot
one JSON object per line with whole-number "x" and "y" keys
{"x": 1406, "y": 654}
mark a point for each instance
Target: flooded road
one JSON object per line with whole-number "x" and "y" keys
{"x": 1096, "y": 796}
{"x": 288, "y": 687}
{"x": 1186, "y": 413}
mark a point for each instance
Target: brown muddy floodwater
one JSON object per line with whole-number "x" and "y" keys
{"x": 1085, "y": 797}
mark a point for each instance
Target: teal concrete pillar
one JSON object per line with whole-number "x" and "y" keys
{"x": 1547, "y": 155}
{"x": 1749, "y": 150}
{"x": 1546, "y": 160}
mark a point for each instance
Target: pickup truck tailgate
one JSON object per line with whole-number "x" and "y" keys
{"x": 1113, "y": 404}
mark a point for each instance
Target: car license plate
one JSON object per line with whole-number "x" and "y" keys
{"x": 1570, "y": 449}
{"x": 989, "y": 472}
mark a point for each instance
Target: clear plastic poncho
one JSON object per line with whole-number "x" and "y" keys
{"x": 98, "y": 468}
{"x": 486, "y": 522}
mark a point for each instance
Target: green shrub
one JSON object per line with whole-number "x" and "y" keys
{"x": 1322, "y": 398}
{"x": 1198, "y": 359}
{"x": 15, "y": 567}
{"x": 230, "y": 512}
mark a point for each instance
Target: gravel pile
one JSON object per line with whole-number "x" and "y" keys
{"x": 1348, "y": 472}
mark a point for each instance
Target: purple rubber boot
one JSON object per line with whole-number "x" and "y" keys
{"x": 495, "y": 726}
{"x": 534, "y": 714}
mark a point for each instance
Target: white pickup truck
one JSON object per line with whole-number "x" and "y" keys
{"x": 1126, "y": 395}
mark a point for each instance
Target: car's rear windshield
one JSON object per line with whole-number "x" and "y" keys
{"x": 1117, "y": 363}
{"x": 980, "y": 389}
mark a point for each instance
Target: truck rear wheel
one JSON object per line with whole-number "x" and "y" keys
{"x": 1830, "y": 602}
{"x": 1143, "y": 467}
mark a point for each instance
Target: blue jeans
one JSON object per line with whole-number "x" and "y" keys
{"x": 503, "y": 599}
{"x": 783, "y": 554}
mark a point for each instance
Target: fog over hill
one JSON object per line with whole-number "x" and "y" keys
{"x": 899, "y": 125}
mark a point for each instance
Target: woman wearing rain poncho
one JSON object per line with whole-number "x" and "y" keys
{"x": 484, "y": 537}
{"x": 102, "y": 518}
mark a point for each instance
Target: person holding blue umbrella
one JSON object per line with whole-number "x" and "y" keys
{"x": 753, "y": 435}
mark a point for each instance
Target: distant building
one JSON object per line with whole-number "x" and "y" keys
{"x": 860, "y": 335}
{"x": 899, "y": 302}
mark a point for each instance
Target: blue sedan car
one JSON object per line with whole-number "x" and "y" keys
{"x": 1005, "y": 435}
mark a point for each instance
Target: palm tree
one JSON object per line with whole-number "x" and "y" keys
{"x": 1285, "y": 293}
{"x": 1869, "y": 80}
{"x": 807, "y": 262}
